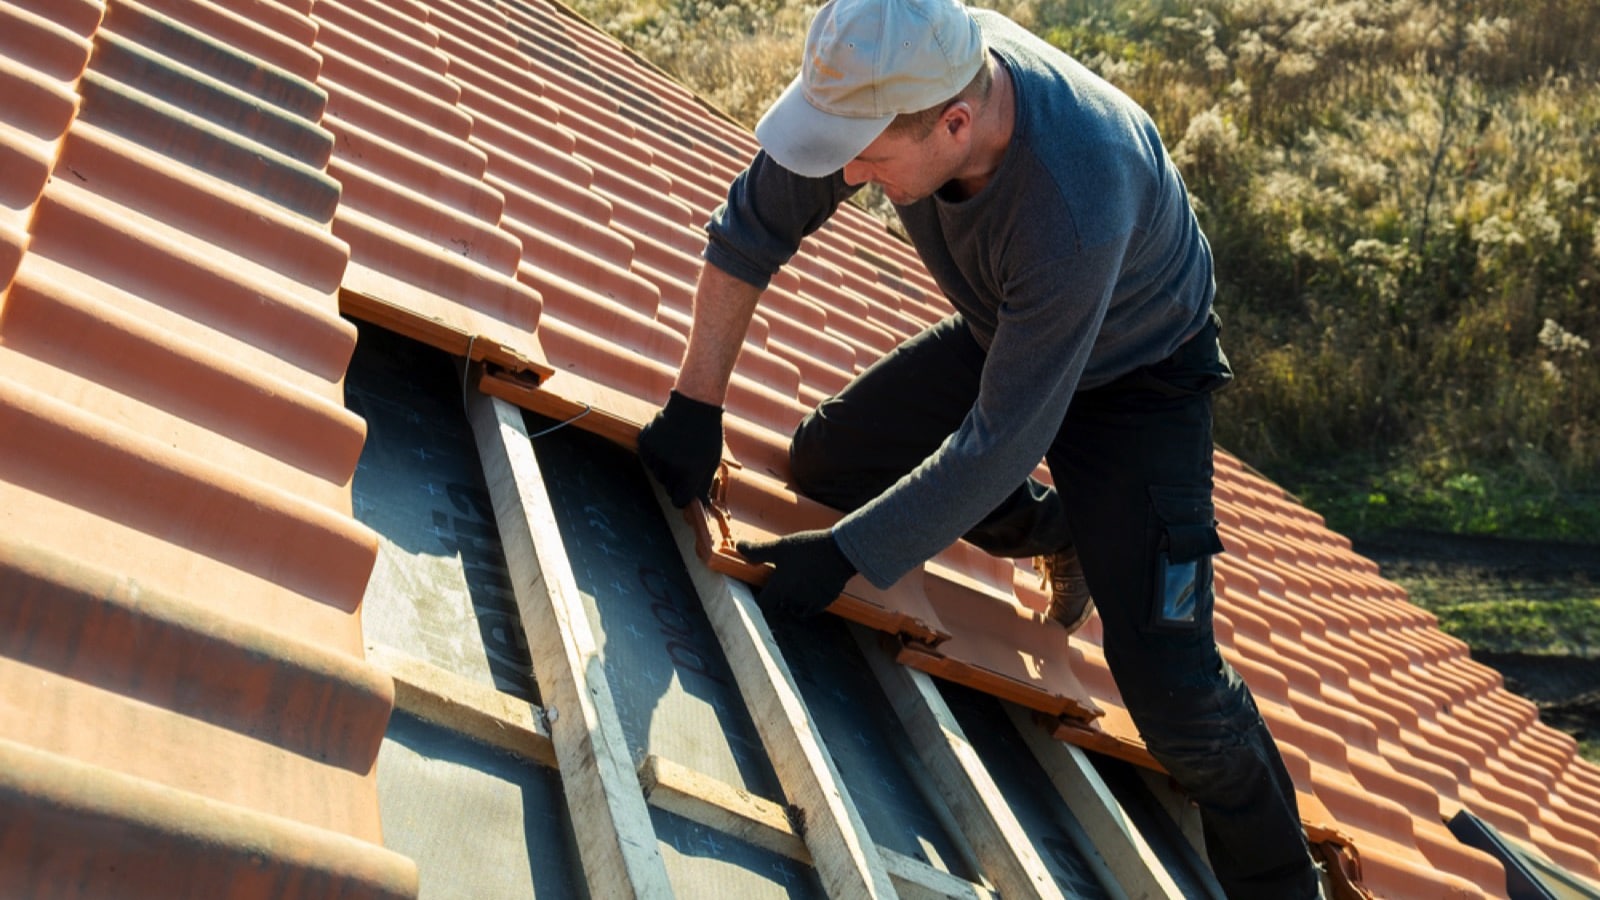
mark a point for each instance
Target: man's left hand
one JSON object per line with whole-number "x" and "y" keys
{"x": 809, "y": 573}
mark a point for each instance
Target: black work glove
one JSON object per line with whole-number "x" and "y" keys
{"x": 682, "y": 447}
{"x": 810, "y": 572}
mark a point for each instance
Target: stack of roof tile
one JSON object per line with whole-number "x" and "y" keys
{"x": 190, "y": 188}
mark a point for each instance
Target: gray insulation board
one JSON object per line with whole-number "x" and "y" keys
{"x": 439, "y": 590}
{"x": 872, "y": 752}
{"x": 674, "y": 692}
{"x": 1173, "y": 851}
{"x": 480, "y": 824}
{"x": 703, "y": 862}
{"x": 1057, "y": 837}
{"x": 673, "y": 689}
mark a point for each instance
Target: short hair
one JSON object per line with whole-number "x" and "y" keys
{"x": 922, "y": 122}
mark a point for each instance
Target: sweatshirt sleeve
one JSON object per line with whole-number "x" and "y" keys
{"x": 768, "y": 212}
{"x": 1045, "y": 332}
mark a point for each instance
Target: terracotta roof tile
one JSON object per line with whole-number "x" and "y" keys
{"x": 428, "y": 257}
{"x": 263, "y": 32}
{"x": 178, "y": 561}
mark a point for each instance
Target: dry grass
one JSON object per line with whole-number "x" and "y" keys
{"x": 738, "y": 55}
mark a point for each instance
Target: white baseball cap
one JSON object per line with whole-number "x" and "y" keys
{"x": 867, "y": 61}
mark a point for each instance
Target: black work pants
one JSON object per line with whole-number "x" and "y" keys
{"x": 1133, "y": 470}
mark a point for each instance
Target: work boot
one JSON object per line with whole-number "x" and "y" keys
{"x": 1070, "y": 603}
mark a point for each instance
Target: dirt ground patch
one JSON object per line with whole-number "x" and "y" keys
{"x": 1567, "y": 689}
{"x": 1479, "y": 566}
{"x": 1488, "y": 589}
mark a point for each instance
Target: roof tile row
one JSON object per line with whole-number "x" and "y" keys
{"x": 178, "y": 564}
{"x": 427, "y": 255}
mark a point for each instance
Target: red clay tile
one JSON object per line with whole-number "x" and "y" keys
{"x": 146, "y": 656}
{"x": 178, "y": 559}
{"x": 133, "y": 479}
{"x": 413, "y": 85}
{"x": 446, "y": 275}
{"x": 422, "y": 215}
{"x": 561, "y": 209}
{"x": 448, "y": 151}
{"x": 39, "y": 58}
{"x": 52, "y": 802}
{"x": 549, "y": 252}
{"x": 383, "y": 159}
{"x": 544, "y": 148}
{"x": 38, "y": 111}
{"x": 83, "y": 233}
{"x": 267, "y": 31}
{"x": 77, "y": 16}
{"x": 169, "y": 129}
{"x": 228, "y": 214}
{"x": 123, "y": 369}
{"x": 573, "y": 349}
{"x": 399, "y": 20}
{"x": 1002, "y": 649}
{"x": 671, "y": 263}
{"x": 614, "y": 323}
{"x": 37, "y": 49}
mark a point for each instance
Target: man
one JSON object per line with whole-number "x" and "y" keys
{"x": 1043, "y": 203}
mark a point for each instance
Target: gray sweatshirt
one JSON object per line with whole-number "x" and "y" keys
{"x": 1079, "y": 262}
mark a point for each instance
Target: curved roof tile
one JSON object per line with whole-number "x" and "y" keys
{"x": 177, "y": 552}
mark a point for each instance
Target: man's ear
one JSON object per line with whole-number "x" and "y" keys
{"x": 957, "y": 117}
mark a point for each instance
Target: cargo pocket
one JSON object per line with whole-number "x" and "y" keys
{"x": 1182, "y": 594}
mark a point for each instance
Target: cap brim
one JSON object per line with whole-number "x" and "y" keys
{"x": 807, "y": 141}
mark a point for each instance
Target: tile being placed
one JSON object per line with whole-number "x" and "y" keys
{"x": 187, "y": 711}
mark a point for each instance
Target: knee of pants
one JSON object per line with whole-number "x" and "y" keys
{"x": 823, "y": 468}
{"x": 1190, "y": 704}
{"x": 809, "y": 465}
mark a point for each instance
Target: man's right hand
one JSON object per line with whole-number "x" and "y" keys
{"x": 682, "y": 447}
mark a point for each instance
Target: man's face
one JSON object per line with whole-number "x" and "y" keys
{"x": 907, "y": 167}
